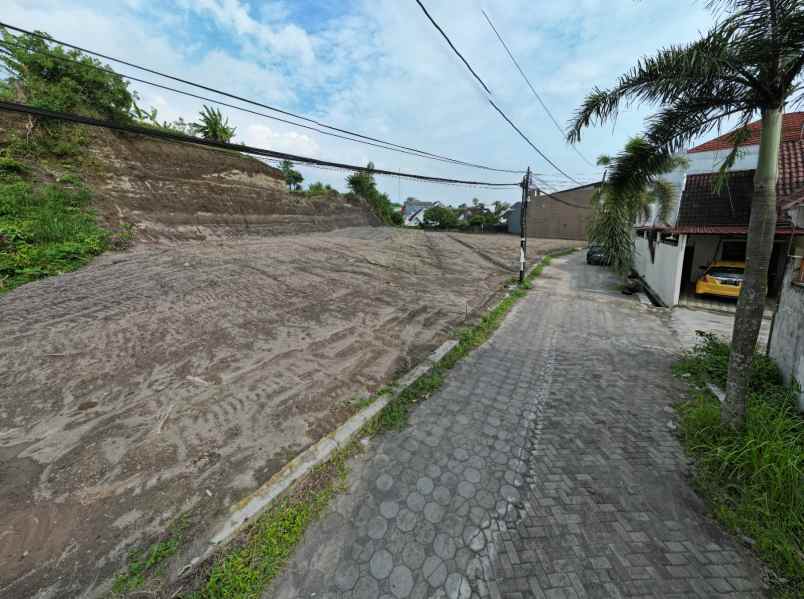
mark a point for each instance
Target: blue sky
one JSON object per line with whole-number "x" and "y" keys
{"x": 379, "y": 67}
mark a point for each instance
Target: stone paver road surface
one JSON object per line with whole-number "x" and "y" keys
{"x": 544, "y": 467}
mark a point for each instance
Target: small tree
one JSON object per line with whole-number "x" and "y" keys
{"x": 318, "y": 188}
{"x": 362, "y": 182}
{"x": 293, "y": 178}
{"x": 440, "y": 217}
{"x": 214, "y": 126}
{"x": 500, "y": 208}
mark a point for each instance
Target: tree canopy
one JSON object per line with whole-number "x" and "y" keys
{"x": 293, "y": 178}
{"x": 47, "y": 76}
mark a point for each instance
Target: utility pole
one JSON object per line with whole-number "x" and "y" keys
{"x": 523, "y": 227}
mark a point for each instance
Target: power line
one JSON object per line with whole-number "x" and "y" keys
{"x": 240, "y": 108}
{"x": 530, "y": 143}
{"x": 396, "y": 175}
{"x": 49, "y": 39}
{"x": 532, "y": 89}
{"x": 163, "y": 134}
{"x": 454, "y": 49}
{"x": 508, "y": 120}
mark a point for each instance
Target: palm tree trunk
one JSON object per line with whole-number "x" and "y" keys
{"x": 751, "y": 304}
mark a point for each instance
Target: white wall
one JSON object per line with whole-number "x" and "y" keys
{"x": 787, "y": 341}
{"x": 663, "y": 275}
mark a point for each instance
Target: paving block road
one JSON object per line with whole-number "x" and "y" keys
{"x": 546, "y": 467}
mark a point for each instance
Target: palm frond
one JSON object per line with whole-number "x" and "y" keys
{"x": 661, "y": 79}
{"x": 738, "y": 137}
{"x": 751, "y": 60}
{"x": 664, "y": 195}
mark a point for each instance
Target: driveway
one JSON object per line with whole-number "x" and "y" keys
{"x": 544, "y": 467}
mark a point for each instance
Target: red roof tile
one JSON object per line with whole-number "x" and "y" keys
{"x": 792, "y": 130}
{"x": 728, "y": 230}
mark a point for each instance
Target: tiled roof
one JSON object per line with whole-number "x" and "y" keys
{"x": 791, "y": 169}
{"x": 792, "y": 124}
{"x": 702, "y": 206}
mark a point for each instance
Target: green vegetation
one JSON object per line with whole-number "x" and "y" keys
{"x": 148, "y": 562}
{"x": 258, "y": 558}
{"x": 752, "y": 479}
{"x": 319, "y": 189}
{"x": 441, "y": 217}
{"x": 213, "y": 125}
{"x": 72, "y": 85}
{"x": 293, "y": 178}
{"x": 248, "y": 568}
{"x": 463, "y": 217}
{"x": 362, "y": 184}
{"x": 44, "y": 230}
{"x": 615, "y": 209}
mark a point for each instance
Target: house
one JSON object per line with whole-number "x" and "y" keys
{"x": 465, "y": 214}
{"x": 786, "y": 343}
{"x": 413, "y": 211}
{"x": 708, "y": 224}
{"x": 559, "y": 215}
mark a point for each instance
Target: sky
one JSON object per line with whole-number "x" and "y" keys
{"x": 380, "y": 68}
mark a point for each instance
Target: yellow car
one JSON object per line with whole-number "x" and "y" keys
{"x": 721, "y": 278}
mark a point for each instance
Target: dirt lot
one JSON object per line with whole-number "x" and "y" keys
{"x": 180, "y": 376}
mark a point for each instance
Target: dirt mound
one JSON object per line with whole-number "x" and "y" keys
{"x": 174, "y": 190}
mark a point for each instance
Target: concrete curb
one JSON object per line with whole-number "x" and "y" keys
{"x": 255, "y": 504}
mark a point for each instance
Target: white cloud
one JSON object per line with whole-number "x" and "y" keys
{"x": 290, "y": 142}
{"x": 381, "y": 69}
{"x": 288, "y": 40}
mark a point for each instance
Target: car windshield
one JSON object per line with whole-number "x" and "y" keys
{"x": 729, "y": 272}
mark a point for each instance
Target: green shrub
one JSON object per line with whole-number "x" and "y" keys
{"x": 45, "y": 231}
{"x": 362, "y": 184}
{"x": 753, "y": 479}
{"x": 54, "y": 78}
{"x": 11, "y": 167}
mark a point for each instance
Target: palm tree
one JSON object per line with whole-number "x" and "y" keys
{"x": 749, "y": 62}
{"x": 214, "y": 125}
{"x": 615, "y": 210}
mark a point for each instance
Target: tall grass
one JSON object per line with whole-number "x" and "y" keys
{"x": 753, "y": 479}
{"x": 44, "y": 230}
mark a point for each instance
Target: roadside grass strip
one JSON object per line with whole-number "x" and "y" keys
{"x": 752, "y": 480}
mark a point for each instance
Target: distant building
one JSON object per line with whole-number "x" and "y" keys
{"x": 559, "y": 215}
{"x": 413, "y": 211}
{"x": 710, "y": 223}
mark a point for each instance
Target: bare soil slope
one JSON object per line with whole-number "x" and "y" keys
{"x": 178, "y": 191}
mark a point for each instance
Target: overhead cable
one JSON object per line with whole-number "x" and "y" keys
{"x": 530, "y": 143}
{"x": 497, "y": 108}
{"x": 164, "y": 134}
{"x": 248, "y": 101}
{"x": 240, "y": 108}
{"x": 532, "y": 89}
{"x": 454, "y": 49}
